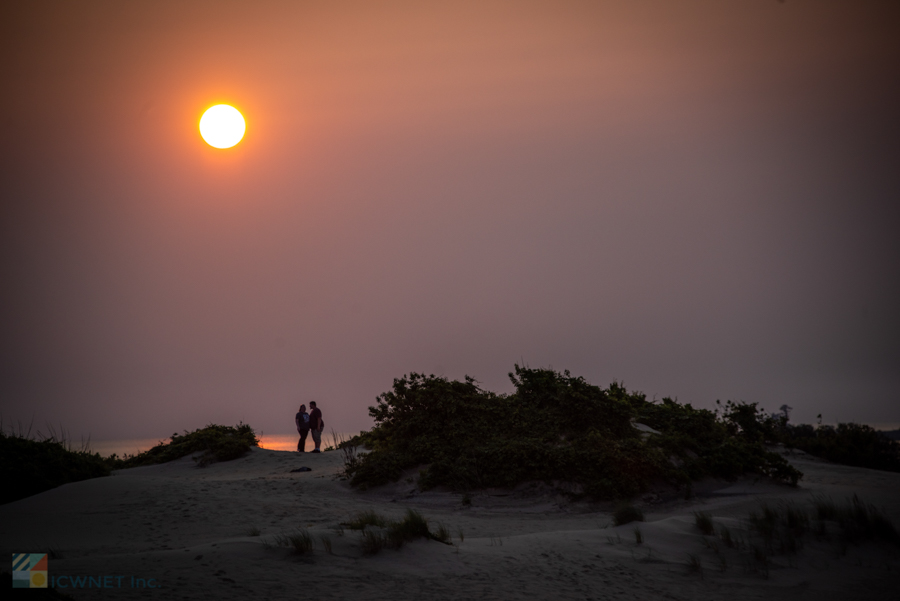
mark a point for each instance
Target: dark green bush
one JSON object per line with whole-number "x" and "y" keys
{"x": 555, "y": 427}
{"x": 849, "y": 444}
{"x": 214, "y": 442}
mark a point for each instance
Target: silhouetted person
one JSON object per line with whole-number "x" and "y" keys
{"x": 302, "y": 421}
{"x": 316, "y": 425}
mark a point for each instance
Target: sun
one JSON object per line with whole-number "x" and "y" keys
{"x": 222, "y": 126}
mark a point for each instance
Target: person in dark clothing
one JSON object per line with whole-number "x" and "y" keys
{"x": 302, "y": 421}
{"x": 316, "y": 425}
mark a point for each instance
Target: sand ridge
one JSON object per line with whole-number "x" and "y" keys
{"x": 193, "y": 530}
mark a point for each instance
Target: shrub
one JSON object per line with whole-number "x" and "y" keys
{"x": 554, "y": 427}
{"x": 214, "y": 442}
{"x": 849, "y": 444}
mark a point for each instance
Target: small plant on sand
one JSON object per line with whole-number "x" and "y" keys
{"x": 627, "y": 513}
{"x": 372, "y": 542}
{"x": 253, "y": 531}
{"x": 760, "y": 561}
{"x": 725, "y": 535}
{"x": 378, "y": 532}
{"x": 366, "y": 518}
{"x": 638, "y": 536}
{"x": 326, "y": 543}
{"x": 349, "y": 450}
{"x": 300, "y": 541}
{"x": 412, "y": 526}
{"x": 442, "y": 534}
{"x": 704, "y": 522}
{"x": 695, "y": 566}
{"x": 723, "y": 563}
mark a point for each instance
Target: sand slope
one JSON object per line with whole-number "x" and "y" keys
{"x": 190, "y": 530}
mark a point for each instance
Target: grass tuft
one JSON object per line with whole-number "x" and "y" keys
{"x": 378, "y": 532}
{"x": 695, "y": 566}
{"x": 725, "y": 535}
{"x": 442, "y": 534}
{"x": 366, "y": 518}
{"x": 372, "y": 541}
{"x": 704, "y": 522}
{"x": 300, "y": 541}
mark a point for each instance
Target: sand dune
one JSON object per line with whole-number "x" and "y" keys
{"x": 191, "y": 532}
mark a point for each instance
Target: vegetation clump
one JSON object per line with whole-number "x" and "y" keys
{"x": 299, "y": 541}
{"x": 379, "y": 533}
{"x": 33, "y": 464}
{"x": 30, "y": 466}
{"x": 554, "y": 428}
{"x": 214, "y": 443}
{"x": 704, "y": 522}
{"x": 847, "y": 443}
{"x": 856, "y": 521}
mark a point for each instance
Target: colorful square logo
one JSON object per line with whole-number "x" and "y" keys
{"x": 29, "y": 570}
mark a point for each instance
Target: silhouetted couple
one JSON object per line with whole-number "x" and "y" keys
{"x": 309, "y": 422}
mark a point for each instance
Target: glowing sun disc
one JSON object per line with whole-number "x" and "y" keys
{"x": 222, "y": 126}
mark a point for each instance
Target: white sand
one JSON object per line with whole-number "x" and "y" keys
{"x": 189, "y": 529}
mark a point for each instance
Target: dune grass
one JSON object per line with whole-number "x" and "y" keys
{"x": 31, "y": 463}
{"x": 379, "y": 533}
{"x": 366, "y": 518}
{"x": 704, "y": 522}
{"x": 855, "y": 521}
{"x": 299, "y": 541}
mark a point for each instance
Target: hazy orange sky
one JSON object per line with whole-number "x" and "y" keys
{"x": 699, "y": 199}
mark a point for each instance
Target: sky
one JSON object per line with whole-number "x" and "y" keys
{"x": 697, "y": 199}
